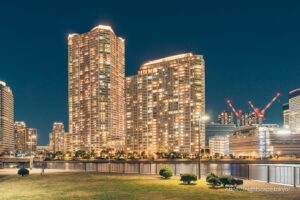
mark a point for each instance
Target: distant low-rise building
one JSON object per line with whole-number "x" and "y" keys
{"x": 249, "y": 118}
{"x": 264, "y": 141}
{"x": 216, "y": 129}
{"x": 42, "y": 149}
{"x": 219, "y": 145}
{"x": 225, "y": 117}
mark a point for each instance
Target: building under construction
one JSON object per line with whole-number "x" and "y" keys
{"x": 263, "y": 141}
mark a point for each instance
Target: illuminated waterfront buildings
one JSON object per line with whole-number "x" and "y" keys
{"x": 291, "y": 111}
{"x": 31, "y": 142}
{"x": 216, "y": 129}
{"x": 57, "y": 138}
{"x": 286, "y": 115}
{"x": 225, "y": 117}
{"x": 96, "y": 89}
{"x": 164, "y": 102}
{"x": 249, "y": 118}
{"x": 7, "y": 138}
{"x": 264, "y": 141}
{"x": 25, "y": 138}
{"x": 219, "y": 145}
{"x": 20, "y": 136}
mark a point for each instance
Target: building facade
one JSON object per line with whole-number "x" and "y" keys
{"x": 25, "y": 138}
{"x": 31, "y": 140}
{"x": 216, "y": 129}
{"x": 286, "y": 115}
{"x": 7, "y": 138}
{"x": 20, "y": 136}
{"x": 249, "y": 118}
{"x": 264, "y": 141}
{"x": 67, "y": 143}
{"x": 294, "y": 111}
{"x": 225, "y": 117}
{"x": 219, "y": 145}
{"x": 164, "y": 102}
{"x": 57, "y": 138}
{"x": 96, "y": 89}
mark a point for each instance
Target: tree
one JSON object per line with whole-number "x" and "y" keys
{"x": 144, "y": 155}
{"x": 23, "y": 172}
{"x": 188, "y": 178}
{"x": 93, "y": 153}
{"x": 214, "y": 181}
{"x": 166, "y": 172}
{"x": 80, "y": 154}
{"x": 2, "y": 154}
{"x": 59, "y": 155}
{"x": 226, "y": 180}
{"x": 120, "y": 155}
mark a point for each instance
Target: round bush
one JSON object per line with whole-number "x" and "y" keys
{"x": 23, "y": 172}
{"x": 166, "y": 172}
{"x": 226, "y": 180}
{"x": 188, "y": 178}
{"x": 209, "y": 175}
{"x": 214, "y": 181}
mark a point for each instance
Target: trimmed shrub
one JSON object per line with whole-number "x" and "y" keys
{"x": 209, "y": 175}
{"x": 188, "y": 178}
{"x": 23, "y": 172}
{"x": 166, "y": 172}
{"x": 226, "y": 180}
{"x": 214, "y": 181}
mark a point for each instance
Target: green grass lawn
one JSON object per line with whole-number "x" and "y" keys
{"x": 97, "y": 186}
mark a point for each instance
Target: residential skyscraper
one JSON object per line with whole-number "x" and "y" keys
{"x": 31, "y": 140}
{"x": 20, "y": 136}
{"x": 57, "y": 137}
{"x": 164, "y": 103}
{"x": 225, "y": 117}
{"x": 96, "y": 89}
{"x": 7, "y": 137}
{"x": 25, "y": 138}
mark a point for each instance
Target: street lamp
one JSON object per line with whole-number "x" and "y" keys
{"x": 202, "y": 118}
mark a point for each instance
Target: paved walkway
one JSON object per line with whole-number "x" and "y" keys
{"x": 13, "y": 171}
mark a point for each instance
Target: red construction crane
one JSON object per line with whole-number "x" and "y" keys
{"x": 260, "y": 114}
{"x": 238, "y": 113}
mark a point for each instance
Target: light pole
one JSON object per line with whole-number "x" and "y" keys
{"x": 203, "y": 118}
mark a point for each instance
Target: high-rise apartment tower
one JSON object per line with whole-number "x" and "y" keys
{"x": 164, "y": 103}
{"x": 7, "y": 137}
{"x": 96, "y": 89}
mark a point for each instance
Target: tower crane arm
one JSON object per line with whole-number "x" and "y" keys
{"x": 270, "y": 103}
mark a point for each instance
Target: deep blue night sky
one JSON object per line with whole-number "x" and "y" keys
{"x": 251, "y": 48}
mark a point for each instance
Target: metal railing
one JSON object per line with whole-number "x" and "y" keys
{"x": 277, "y": 174}
{"x": 285, "y": 174}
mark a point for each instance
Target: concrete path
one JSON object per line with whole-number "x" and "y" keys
{"x": 14, "y": 171}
